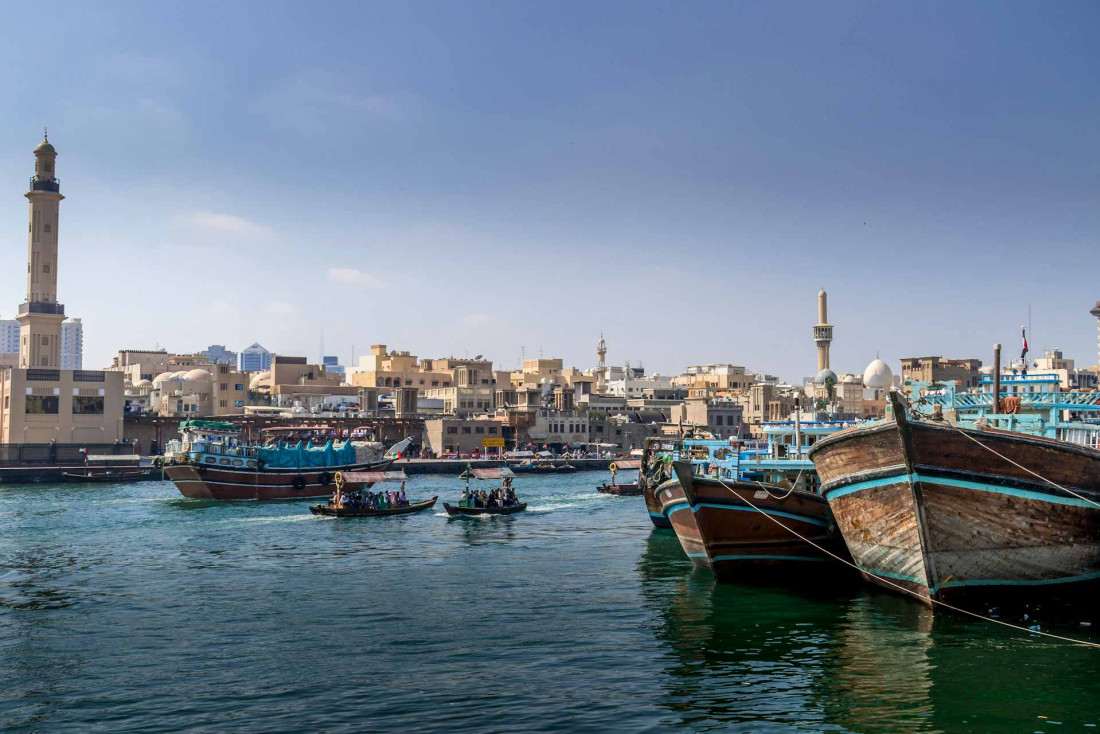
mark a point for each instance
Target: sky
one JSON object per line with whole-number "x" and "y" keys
{"x": 506, "y": 178}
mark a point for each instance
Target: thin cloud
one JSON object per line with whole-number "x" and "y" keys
{"x": 228, "y": 223}
{"x": 351, "y": 276}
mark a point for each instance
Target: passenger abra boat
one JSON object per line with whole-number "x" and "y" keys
{"x": 471, "y": 505}
{"x": 209, "y": 461}
{"x": 357, "y": 505}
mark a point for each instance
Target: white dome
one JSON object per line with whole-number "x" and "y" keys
{"x": 987, "y": 370}
{"x": 878, "y": 376}
{"x": 825, "y": 376}
{"x": 260, "y": 379}
{"x": 164, "y": 376}
{"x": 849, "y": 379}
{"x": 197, "y": 374}
{"x": 143, "y": 383}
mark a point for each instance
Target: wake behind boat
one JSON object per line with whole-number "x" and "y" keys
{"x": 209, "y": 461}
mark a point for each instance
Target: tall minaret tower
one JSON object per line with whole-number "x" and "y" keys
{"x": 823, "y": 331}
{"x": 41, "y": 315}
{"x": 601, "y": 365}
{"x": 1096, "y": 312}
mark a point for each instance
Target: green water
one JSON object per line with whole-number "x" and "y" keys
{"x": 129, "y": 608}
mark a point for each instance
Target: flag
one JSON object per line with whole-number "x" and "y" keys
{"x": 1023, "y": 333}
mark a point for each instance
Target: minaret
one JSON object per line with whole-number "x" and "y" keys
{"x": 823, "y": 331}
{"x": 1096, "y": 312}
{"x": 41, "y": 315}
{"x": 601, "y": 365}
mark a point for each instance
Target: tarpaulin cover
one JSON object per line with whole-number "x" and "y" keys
{"x": 621, "y": 464}
{"x": 299, "y": 456}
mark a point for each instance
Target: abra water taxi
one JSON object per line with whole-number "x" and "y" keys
{"x": 499, "y": 502}
{"x": 209, "y": 461}
{"x": 631, "y": 489}
{"x": 351, "y": 485}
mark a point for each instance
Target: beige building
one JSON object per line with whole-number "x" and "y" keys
{"x": 461, "y": 435}
{"x": 198, "y": 392}
{"x": 41, "y": 402}
{"x": 720, "y": 417}
{"x": 382, "y": 368}
{"x": 933, "y": 369}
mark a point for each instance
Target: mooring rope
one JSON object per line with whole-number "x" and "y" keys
{"x": 1020, "y": 466}
{"x": 888, "y": 582}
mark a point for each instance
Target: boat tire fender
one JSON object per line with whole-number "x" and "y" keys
{"x": 299, "y": 482}
{"x": 325, "y": 479}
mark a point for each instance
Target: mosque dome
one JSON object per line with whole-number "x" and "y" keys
{"x": 164, "y": 376}
{"x": 878, "y": 376}
{"x": 849, "y": 379}
{"x": 142, "y": 383}
{"x": 825, "y": 377}
{"x": 198, "y": 375}
{"x": 260, "y": 379}
{"x": 44, "y": 147}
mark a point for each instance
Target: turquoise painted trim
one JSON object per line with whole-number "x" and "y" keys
{"x": 683, "y": 506}
{"x": 776, "y": 513}
{"x": 962, "y": 484}
{"x": 656, "y": 514}
{"x": 696, "y": 555}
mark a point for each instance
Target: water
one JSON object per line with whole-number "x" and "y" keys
{"x": 129, "y": 608}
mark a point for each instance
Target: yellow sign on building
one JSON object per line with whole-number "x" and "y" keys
{"x": 492, "y": 443}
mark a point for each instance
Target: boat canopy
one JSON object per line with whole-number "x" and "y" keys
{"x": 371, "y": 477}
{"x": 275, "y": 429}
{"x": 500, "y": 472}
{"x": 299, "y": 455}
{"x": 131, "y": 458}
{"x": 195, "y": 424}
{"x": 623, "y": 464}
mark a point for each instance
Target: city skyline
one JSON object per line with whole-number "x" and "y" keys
{"x": 394, "y": 176}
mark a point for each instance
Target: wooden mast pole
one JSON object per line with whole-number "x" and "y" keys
{"x": 996, "y": 378}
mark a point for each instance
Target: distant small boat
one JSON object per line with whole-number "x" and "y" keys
{"x": 107, "y": 475}
{"x": 632, "y": 489}
{"x": 331, "y": 511}
{"x": 501, "y": 472}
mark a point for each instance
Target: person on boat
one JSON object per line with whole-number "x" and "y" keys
{"x": 335, "y": 499}
{"x": 404, "y": 501}
{"x": 464, "y": 499}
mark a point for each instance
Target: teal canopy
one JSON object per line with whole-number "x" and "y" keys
{"x": 308, "y": 456}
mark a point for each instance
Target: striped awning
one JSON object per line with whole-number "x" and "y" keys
{"x": 365, "y": 477}
{"x": 501, "y": 472}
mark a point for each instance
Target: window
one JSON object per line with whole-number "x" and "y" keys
{"x": 717, "y": 420}
{"x": 223, "y": 404}
{"x": 83, "y": 405}
{"x": 452, "y": 429}
{"x": 223, "y": 387}
{"x": 492, "y": 430}
{"x": 45, "y": 340}
{"x": 46, "y": 228}
{"x": 46, "y": 268}
{"x": 479, "y": 429}
{"x": 238, "y": 386}
{"x": 408, "y": 383}
{"x": 422, "y": 382}
{"x": 435, "y": 383}
{"x": 465, "y": 429}
{"x": 41, "y": 405}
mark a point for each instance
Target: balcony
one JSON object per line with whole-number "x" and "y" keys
{"x": 45, "y": 184}
{"x": 57, "y": 309}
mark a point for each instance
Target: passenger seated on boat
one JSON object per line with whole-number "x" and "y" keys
{"x": 464, "y": 498}
{"x": 403, "y": 501}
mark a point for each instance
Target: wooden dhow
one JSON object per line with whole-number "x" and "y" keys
{"x": 964, "y": 514}
{"x": 750, "y": 531}
{"x": 210, "y": 462}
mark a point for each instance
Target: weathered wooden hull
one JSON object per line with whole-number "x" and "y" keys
{"x": 722, "y": 526}
{"x": 350, "y": 512}
{"x": 922, "y": 506}
{"x": 650, "y": 478}
{"x": 224, "y": 483}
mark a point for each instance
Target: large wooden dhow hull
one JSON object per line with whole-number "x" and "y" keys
{"x": 923, "y": 506}
{"x": 742, "y": 531}
{"x": 225, "y": 483}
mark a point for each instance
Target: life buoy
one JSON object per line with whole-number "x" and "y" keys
{"x": 614, "y": 467}
{"x": 299, "y": 482}
{"x": 325, "y": 479}
{"x": 340, "y": 480}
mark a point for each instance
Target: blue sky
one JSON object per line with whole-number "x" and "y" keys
{"x": 477, "y": 178}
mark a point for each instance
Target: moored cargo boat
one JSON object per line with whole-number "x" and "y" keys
{"x": 961, "y": 513}
{"x": 210, "y": 462}
{"x": 749, "y": 531}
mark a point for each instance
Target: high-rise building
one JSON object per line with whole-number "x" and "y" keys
{"x": 9, "y": 339}
{"x": 72, "y": 344}
{"x": 255, "y": 359}
{"x": 218, "y": 354}
{"x": 332, "y": 365}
